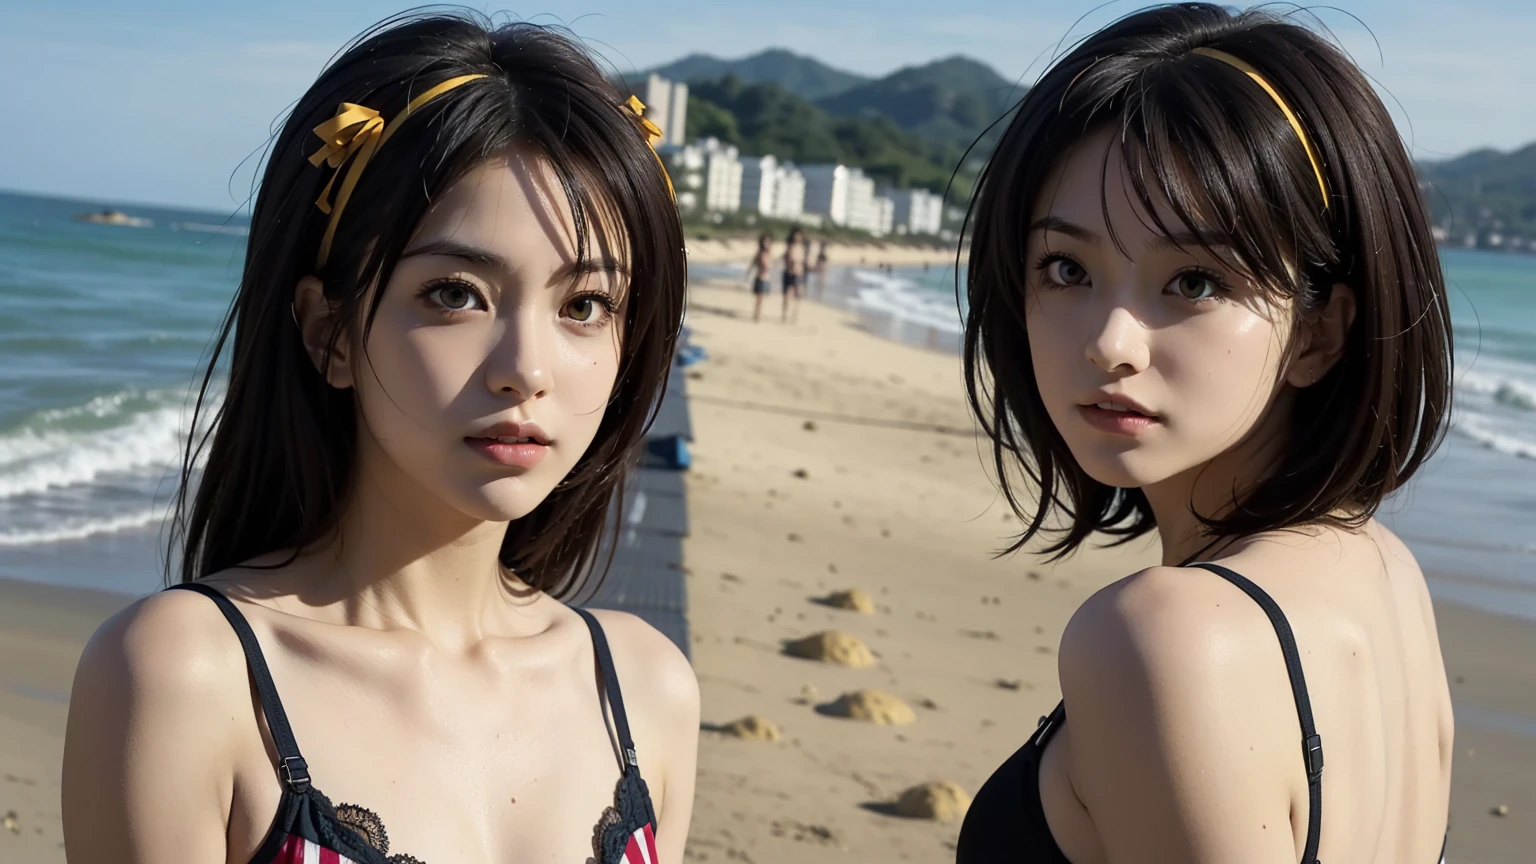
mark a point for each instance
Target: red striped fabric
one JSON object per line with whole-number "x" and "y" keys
{"x": 297, "y": 850}
{"x": 641, "y": 848}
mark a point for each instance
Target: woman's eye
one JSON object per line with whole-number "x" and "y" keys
{"x": 454, "y": 296}
{"x": 1065, "y": 271}
{"x": 1196, "y": 286}
{"x": 583, "y": 308}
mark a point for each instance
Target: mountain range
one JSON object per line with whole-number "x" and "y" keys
{"x": 912, "y": 127}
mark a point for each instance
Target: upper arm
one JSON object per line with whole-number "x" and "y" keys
{"x": 148, "y": 773}
{"x": 1184, "y": 741}
{"x": 661, "y": 695}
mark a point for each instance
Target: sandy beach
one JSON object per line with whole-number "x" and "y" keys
{"x": 826, "y": 459}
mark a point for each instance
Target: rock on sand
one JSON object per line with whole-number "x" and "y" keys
{"x": 753, "y": 728}
{"x": 832, "y": 646}
{"x": 854, "y": 600}
{"x": 876, "y": 706}
{"x": 942, "y": 801}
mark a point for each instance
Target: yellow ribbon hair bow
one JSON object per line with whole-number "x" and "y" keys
{"x": 356, "y": 133}
{"x": 652, "y": 134}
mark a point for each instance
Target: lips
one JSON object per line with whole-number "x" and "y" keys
{"x": 514, "y": 432}
{"x": 1119, "y": 402}
{"x": 1117, "y": 414}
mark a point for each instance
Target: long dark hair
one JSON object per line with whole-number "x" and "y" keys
{"x": 1218, "y": 150}
{"x": 281, "y": 447}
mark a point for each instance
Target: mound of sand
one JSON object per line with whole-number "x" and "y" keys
{"x": 753, "y": 728}
{"x": 832, "y": 646}
{"x": 854, "y": 600}
{"x": 942, "y": 801}
{"x": 875, "y": 706}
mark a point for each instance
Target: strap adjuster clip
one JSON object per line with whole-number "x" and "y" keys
{"x": 1314, "y": 751}
{"x": 296, "y": 773}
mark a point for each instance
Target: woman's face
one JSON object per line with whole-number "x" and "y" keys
{"x": 1151, "y": 359}
{"x": 493, "y": 355}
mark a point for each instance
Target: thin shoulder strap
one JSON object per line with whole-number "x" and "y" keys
{"x": 1311, "y": 742}
{"x": 294, "y": 770}
{"x": 611, "y": 687}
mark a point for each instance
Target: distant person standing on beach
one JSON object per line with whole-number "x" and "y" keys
{"x": 794, "y": 271}
{"x": 820, "y": 269}
{"x": 1204, "y": 301}
{"x": 757, "y": 275}
{"x": 463, "y": 286}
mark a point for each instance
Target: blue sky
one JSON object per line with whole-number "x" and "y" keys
{"x": 160, "y": 101}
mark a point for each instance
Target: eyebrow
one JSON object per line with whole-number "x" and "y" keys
{"x": 1176, "y": 240}
{"x": 487, "y": 258}
{"x": 454, "y": 249}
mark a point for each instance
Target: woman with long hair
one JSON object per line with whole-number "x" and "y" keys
{"x": 461, "y": 293}
{"x": 1204, "y": 301}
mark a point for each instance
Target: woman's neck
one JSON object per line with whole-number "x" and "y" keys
{"x": 1211, "y": 489}
{"x": 396, "y": 563}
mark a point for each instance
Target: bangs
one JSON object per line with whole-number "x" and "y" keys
{"x": 1213, "y": 162}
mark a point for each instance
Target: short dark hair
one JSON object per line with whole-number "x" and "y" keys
{"x": 1218, "y": 151}
{"x": 283, "y": 441}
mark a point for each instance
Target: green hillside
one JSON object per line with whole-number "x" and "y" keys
{"x": 767, "y": 119}
{"x": 1484, "y": 192}
{"x": 803, "y": 76}
{"x": 947, "y": 100}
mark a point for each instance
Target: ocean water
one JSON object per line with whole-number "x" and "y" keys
{"x": 103, "y": 329}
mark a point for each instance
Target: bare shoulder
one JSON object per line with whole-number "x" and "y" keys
{"x": 652, "y": 670}
{"x": 159, "y": 701}
{"x": 1181, "y": 728}
{"x": 1185, "y": 622}
{"x": 172, "y": 645}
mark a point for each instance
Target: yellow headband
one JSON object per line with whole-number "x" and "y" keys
{"x": 1290, "y": 116}
{"x": 357, "y": 129}
{"x": 652, "y": 134}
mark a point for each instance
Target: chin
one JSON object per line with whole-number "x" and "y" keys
{"x": 505, "y": 500}
{"x": 1121, "y": 467}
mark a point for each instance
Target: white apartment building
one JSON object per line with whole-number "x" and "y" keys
{"x": 771, "y": 188}
{"x": 789, "y": 194}
{"x": 722, "y": 177}
{"x": 863, "y": 213}
{"x": 666, "y": 105}
{"x": 759, "y": 186}
{"x": 826, "y": 191}
{"x": 885, "y": 212}
{"x": 917, "y": 211}
{"x": 706, "y": 175}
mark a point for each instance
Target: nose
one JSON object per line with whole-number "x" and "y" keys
{"x": 519, "y": 360}
{"x": 1120, "y": 345}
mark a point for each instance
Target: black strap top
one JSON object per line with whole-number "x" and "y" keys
{"x": 1006, "y": 821}
{"x": 310, "y": 829}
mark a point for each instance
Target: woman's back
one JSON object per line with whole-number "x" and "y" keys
{"x": 1364, "y": 629}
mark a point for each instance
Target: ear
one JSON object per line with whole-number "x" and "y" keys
{"x": 1323, "y": 335}
{"x": 314, "y": 315}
